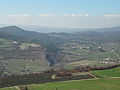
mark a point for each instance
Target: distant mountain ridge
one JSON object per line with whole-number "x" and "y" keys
{"x": 57, "y": 38}
{"x": 45, "y": 29}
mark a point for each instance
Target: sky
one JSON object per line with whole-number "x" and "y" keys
{"x": 61, "y": 13}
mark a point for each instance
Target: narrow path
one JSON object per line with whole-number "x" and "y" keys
{"x": 92, "y": 75}
{"x": 80, "y": 80}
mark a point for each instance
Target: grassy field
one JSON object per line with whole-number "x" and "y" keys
{"x": 115, "y": 72}
{"x": 98, "y": 84}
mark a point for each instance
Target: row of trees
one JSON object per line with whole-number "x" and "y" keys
{"x": 96, "y": 67}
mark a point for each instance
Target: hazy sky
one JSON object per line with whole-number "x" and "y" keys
{"x": 66, "y": 13}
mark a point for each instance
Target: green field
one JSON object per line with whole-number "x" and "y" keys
{"x": 115, "y": 72}
{"x": 98, "y": 84}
